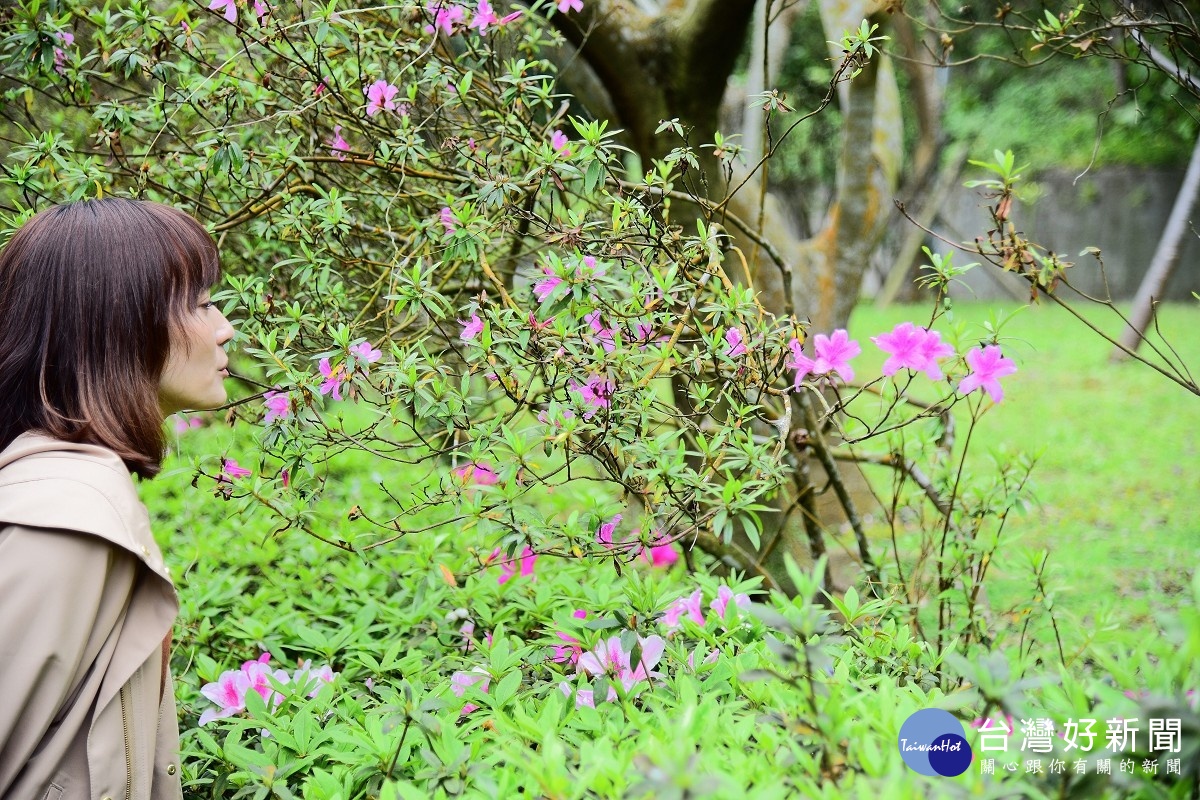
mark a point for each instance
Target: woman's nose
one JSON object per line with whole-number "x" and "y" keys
{"x": 224, "y": 330}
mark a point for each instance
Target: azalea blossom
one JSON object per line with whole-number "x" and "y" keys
{"x": 337, "y": 145}
{"x": 447, "y": 218}
{"x": 660, "y": 555}
{"x": 569, "y": 5}
{"x": 66, "y": 39}
{"x": 569, "y": 652}
{"x": 478, "y": 471}
{"x": 597, "y": 393}
{"x": 380, "y": 96}
{"x": 559, "y": 141}
{"x": 228, "y": 693}
{"x": 603, "y": 334}
{"x": 610, "y": 659}
{"x": 914, "y": 348}
{"x": 711, "y": 658}
{"x": 277, "y": 404}
{"x": 231, "y": 470}
{"x": 721, "y": 602}
{"x": 690, "y": 605}
{"x": 445, "y": 16}
{"x": 183, "y": 424}
{"x": 508, "y": 567}
{"x": 261, "y": 10}
{"x": 737, "y": 345}
{"x": 554, "y": 414}
{"x": 320, "y": 676}
{"x": 230, "y": 7}
{"x": 461, "y": 681}
{"x": 834, "y": 353}
{"x": 604, "y": 534}
{"x": 485, "y": 16}
{"x": 260, "y": 673}
{"x": 364, "y": 352}
{"x": 988, "y": 366}
{"x": 471, "y": 327}
{"x": 334, "y": 378}
{"x": 546, "y": 287}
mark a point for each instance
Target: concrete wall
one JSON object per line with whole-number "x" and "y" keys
{"x": 1122, "y": 211}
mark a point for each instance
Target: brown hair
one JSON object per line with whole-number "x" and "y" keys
{"x": 89, "y": 295}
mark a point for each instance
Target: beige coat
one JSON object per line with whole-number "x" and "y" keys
{"x": 85, "y": 606}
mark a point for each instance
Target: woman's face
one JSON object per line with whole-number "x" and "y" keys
{"x": 196, "y": 367}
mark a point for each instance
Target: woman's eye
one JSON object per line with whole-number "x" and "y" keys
{"x": 206, "y": 305}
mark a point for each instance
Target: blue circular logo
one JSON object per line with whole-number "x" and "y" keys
{"x": 931, "y": 742}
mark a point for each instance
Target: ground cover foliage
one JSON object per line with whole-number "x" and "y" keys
{"x": 488, "y": 515}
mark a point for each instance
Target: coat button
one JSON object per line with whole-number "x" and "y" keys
{"x": 145, "y": 551}
{"x": 106, "y": 797}
{"x": 170, "y": 769}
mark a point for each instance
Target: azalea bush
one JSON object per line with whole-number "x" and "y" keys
{"x": 573, "y": 681}
{"x": 415, "y": 227}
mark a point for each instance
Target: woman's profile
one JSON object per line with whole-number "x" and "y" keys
{"x": 106, "y": 328}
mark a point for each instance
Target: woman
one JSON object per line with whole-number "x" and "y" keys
{"x": 106, "y": 328}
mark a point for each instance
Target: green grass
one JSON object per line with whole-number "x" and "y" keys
{"x": 1118, "y": 471}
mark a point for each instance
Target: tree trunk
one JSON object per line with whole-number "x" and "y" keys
{"x": 1166, "y": 257}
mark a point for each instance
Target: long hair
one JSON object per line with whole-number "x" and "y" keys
{"x": 89, "y": 295}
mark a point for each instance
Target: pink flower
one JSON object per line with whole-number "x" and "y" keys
{"x": 231, "y": 470}
{"x": 603, "y": 334}
{"x": 661, "y": 555}
{"x": 597, "y": 393}
{"x": 334, "y": 378}
{"x": 278, "y": 406}
{"x": 711, "y": 658}
{"x": 721, "y": 602}
{"x": 834, "y": 353}
{"x": 569, "y": 5}
{"x": 261, "y": 10}
{"x": 484, "y": 16}
{"x": 568, "y": 652}
{"x": 988, "y": 366}
{"x": 559, "y": 141}
{"x": 364, "y": 352}
{"x": 546, "y": 287}
{"x": 66, "y": 39}
{"x": 337, "y": 145}
{"x": 471, "y": 328}
{"x": 609, "y": 659}
{"x": 799, "y": 362}
{"x": 445, "y": 15}
{"x": 260, "y": 675}
{"x": 508, "y": 566}
{"x": 604, "y": 534}
{"x": 910, "y": 347}
{"x": 737, "y": 346}
{"x": 320, "y": 88}
{"x": 228, "y": 693}
{"x": 447, "y": 218}
{"x": 380, "y": 96}
{"x": 480, "y": 472}
{"x": 319, "y": 676}
{"x": 230, "y": 7}
{"x": 461, "y": 681}
{"x": 690, "y": 605}
{"x": 184, "y": 424}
